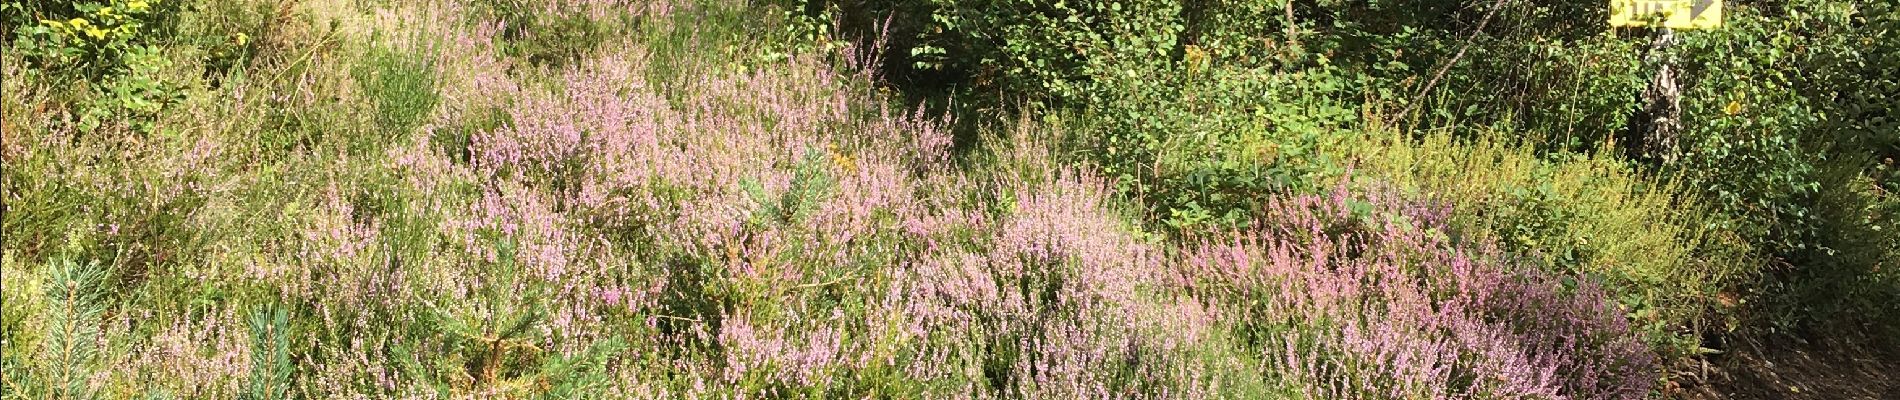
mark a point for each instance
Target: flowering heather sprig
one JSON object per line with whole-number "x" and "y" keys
{"x": 868, "y": 187}
{"x": 207, "y": 357}
{"x": 342, "y": 257}
{"x": 778, "y": 356}
{"x": 866, "y": 58}
{"x": 542, "y": 241}
{"x": 339, "y": 232}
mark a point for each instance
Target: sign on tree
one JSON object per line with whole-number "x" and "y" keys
{"x": 1673, "y": 14}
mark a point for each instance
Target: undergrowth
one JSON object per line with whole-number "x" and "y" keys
{"x": 724, "y": 199}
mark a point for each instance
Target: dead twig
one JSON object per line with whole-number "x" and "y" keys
{"x": 1440, "y": 74}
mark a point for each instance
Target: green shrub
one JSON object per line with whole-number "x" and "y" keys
{"x": 1650, "y": 241}
{"x": 1199, "y": 105}
{"x": 1202, "y": 145}
{"x": 1784, "y": 110}
{"x": 90, "y": 37}
{"x": 233, "y": 32}
{"x": 1789, "y": 116}
{"x": 1546, "y": 68}
{"x": 401, "y": 87}
{"x": 1038, "y": 47}
{"x": 110, "y": 49}
{"x": 545, "y": 34}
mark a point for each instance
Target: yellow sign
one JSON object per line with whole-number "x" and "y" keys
{"x": 1673, "y": 14}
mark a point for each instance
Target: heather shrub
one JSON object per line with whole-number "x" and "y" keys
{"x": 1370, "y": 297}
{"x": 772, "y": 237}
{"x": 131, "y": 209}
{"x": 1063, "y": 301}
{"x": 1653, "y": 245}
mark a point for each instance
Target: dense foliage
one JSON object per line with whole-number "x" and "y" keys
{"x": 1202, "y": 109}
{"x": 1314, "y": 199}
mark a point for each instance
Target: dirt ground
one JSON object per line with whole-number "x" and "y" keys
{"x": 1784, "y": 367}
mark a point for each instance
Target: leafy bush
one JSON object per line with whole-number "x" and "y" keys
{"x": 109, "y": 48}
{"x": 1784, "y": 138}
{"x": 1153, "y": 88}
{"x": 1203, "y": 147}
{"x": 91, "y": 37}
{"x": 1544, "y": 68}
